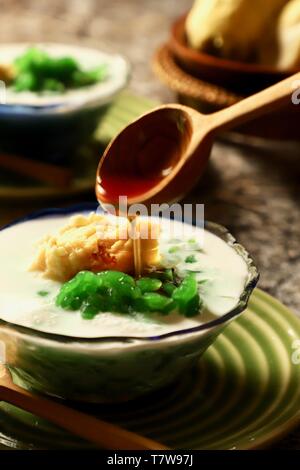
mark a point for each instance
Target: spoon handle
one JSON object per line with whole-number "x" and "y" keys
{"x": 256, "y": 105}
{"x": 101, "y": 433}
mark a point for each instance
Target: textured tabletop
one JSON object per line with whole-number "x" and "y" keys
{"x": 253, "y": 190}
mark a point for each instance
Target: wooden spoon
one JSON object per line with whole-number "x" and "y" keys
{"x": 104, "y": 435}
{"x": 161, "y": 156}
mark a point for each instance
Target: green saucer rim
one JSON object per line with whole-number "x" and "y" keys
{"x": 293, "y": 423}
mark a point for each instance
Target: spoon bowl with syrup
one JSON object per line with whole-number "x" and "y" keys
{"x": 162, "y": 155}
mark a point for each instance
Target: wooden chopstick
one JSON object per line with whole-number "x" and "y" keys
{"x": 101, "y": 433}
{"x": 40, "y": 171}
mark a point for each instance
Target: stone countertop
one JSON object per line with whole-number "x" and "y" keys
{"x": 251, "y": 189}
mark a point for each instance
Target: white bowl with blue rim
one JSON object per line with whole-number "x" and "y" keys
{"x": 48, "y": 126}
{"x": 113, "y": 368}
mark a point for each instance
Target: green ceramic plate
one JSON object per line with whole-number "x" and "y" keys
{"x": 245, "y": 393}
{"x": 125, "y": 109}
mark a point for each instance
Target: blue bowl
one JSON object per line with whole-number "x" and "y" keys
{"x": 50, "y": 127}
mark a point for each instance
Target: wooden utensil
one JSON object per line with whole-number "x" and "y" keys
{"x": 161, "y": 156}
{"x": 101, "y": 433}
{"x": 40, "y": 171}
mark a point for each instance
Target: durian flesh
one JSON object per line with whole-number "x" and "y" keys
{"x": 230, "y": 28}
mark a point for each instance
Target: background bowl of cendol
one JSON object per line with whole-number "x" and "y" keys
{"x": 50, "y": 126}
{"x": 113, "y": 369}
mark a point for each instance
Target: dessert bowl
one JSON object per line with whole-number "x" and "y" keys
{"x": 50, "y": 126}
{"x": 122, "y": 366}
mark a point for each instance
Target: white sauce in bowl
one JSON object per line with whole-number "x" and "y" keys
{"x": 225, "y": 274}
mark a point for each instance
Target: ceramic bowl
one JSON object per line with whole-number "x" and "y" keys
{"x": 108, "y": 369}
{"x": 50, "y": 127}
